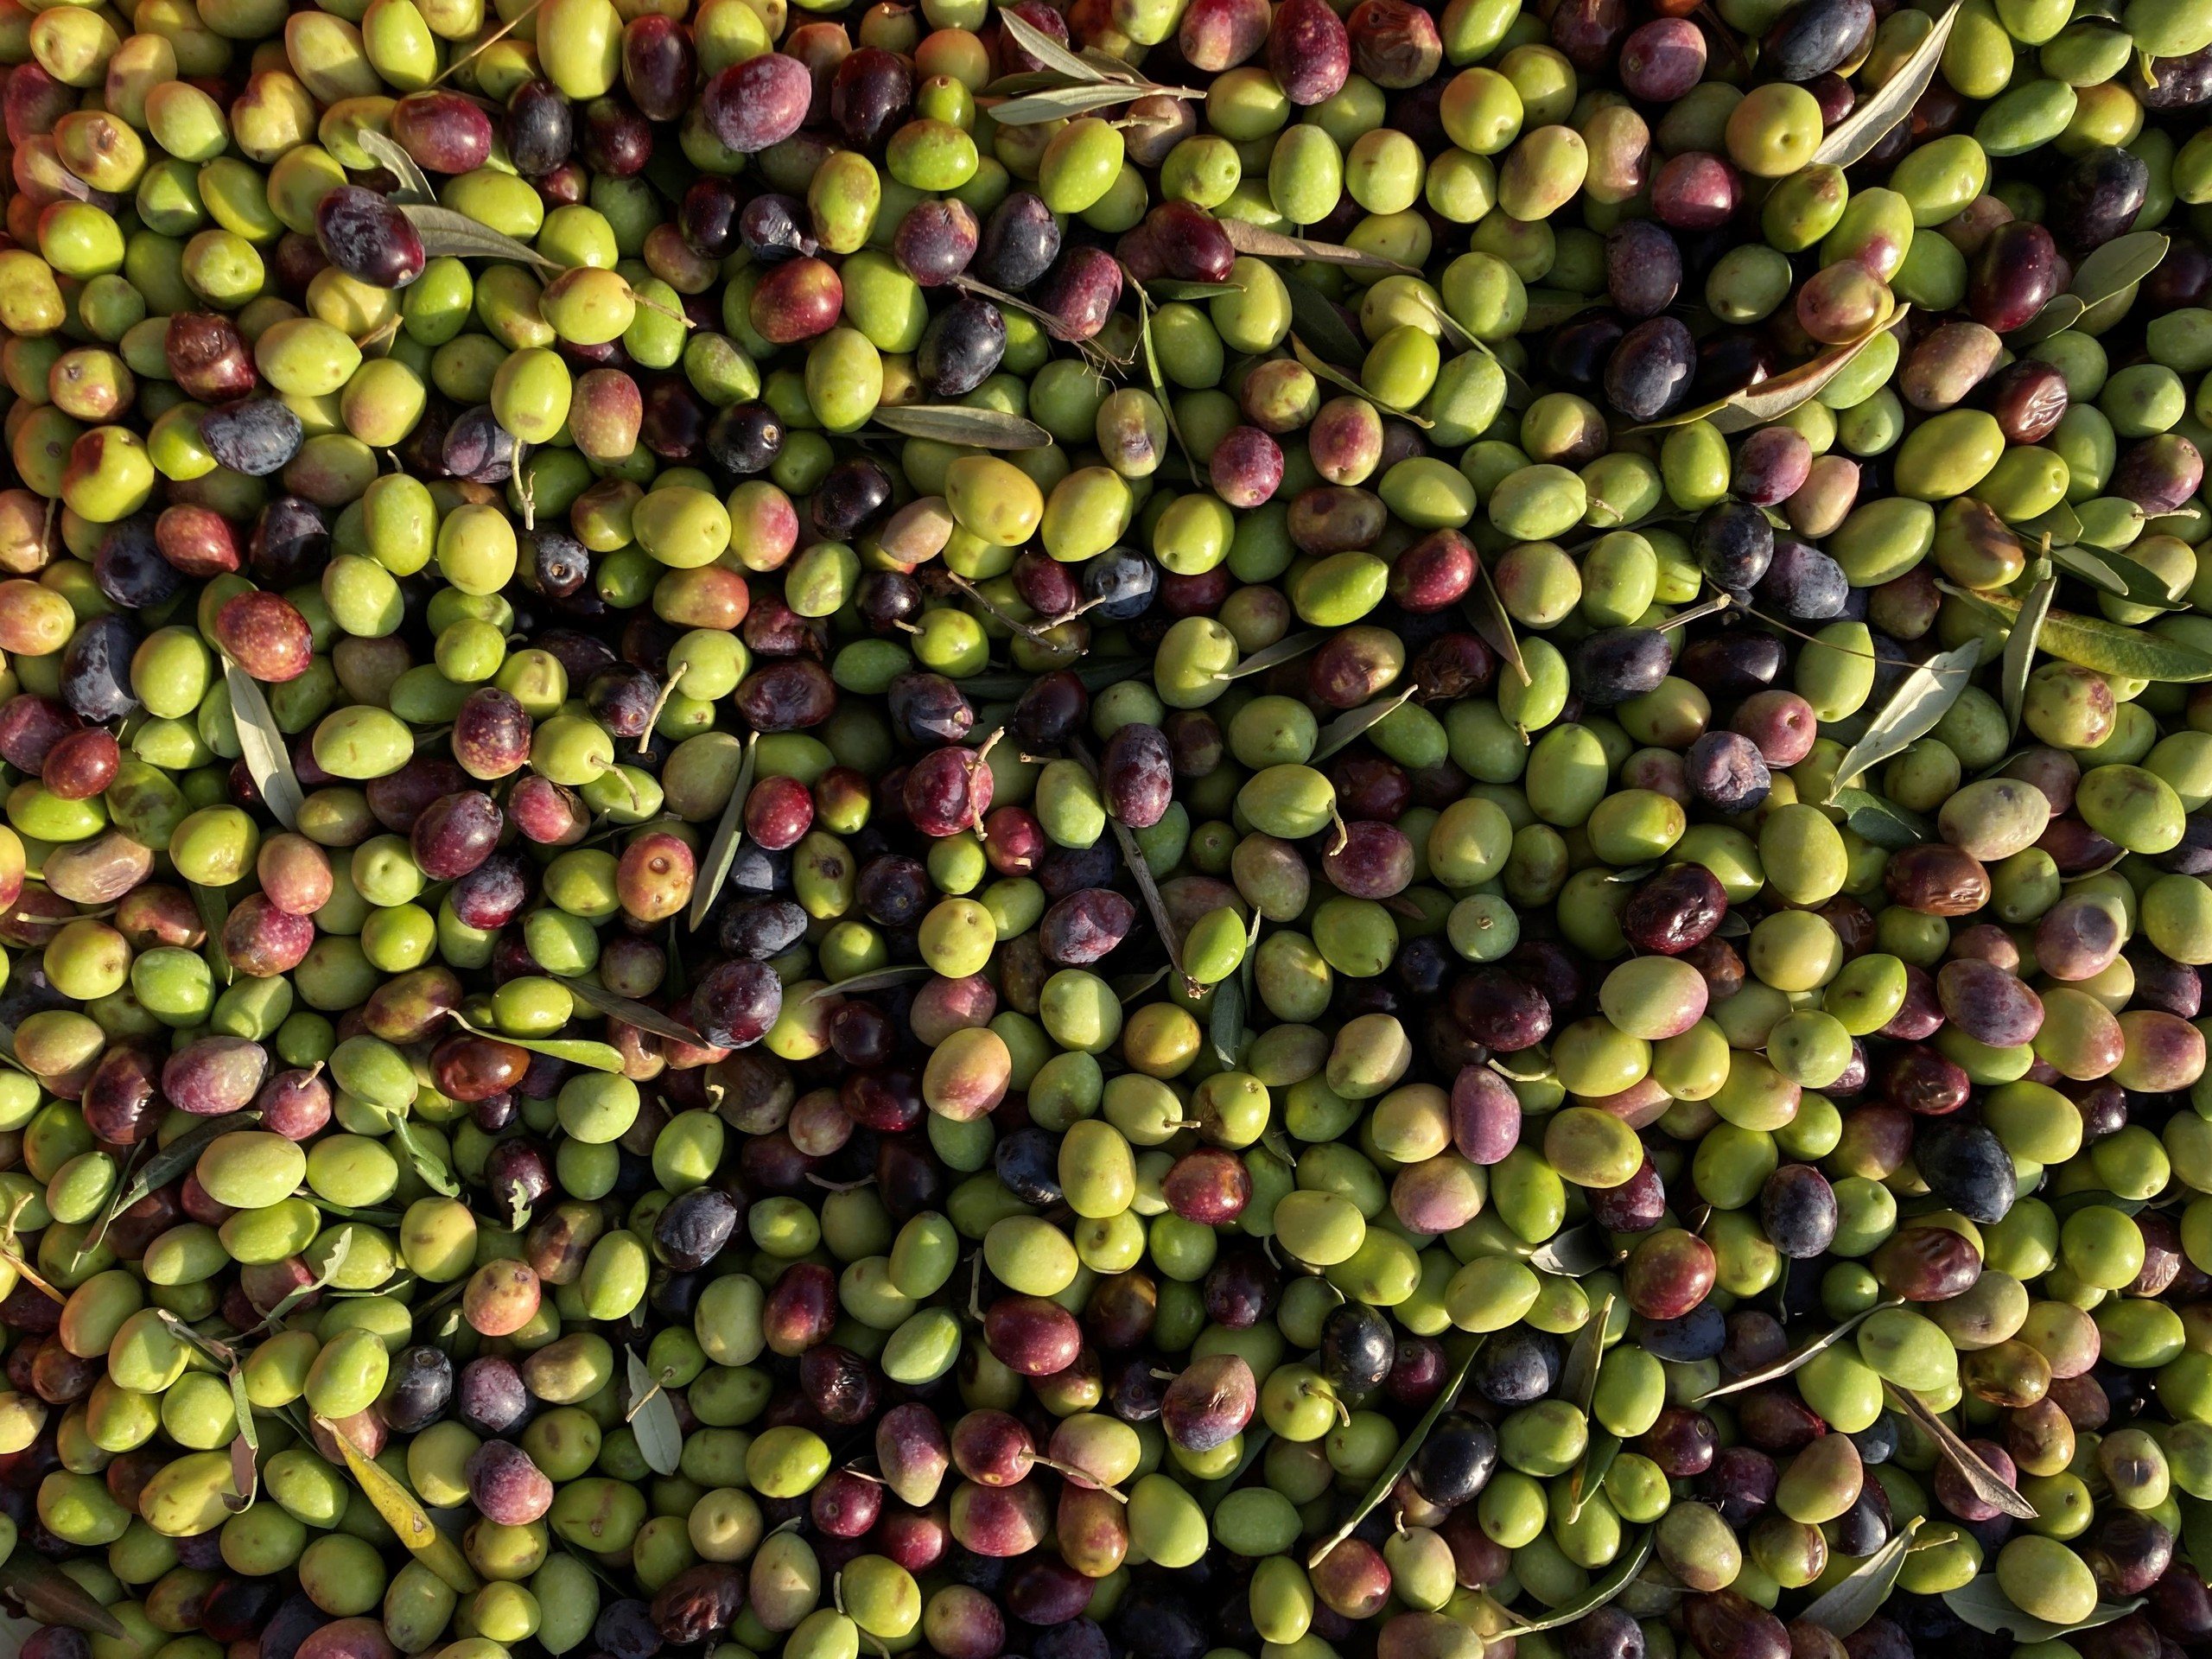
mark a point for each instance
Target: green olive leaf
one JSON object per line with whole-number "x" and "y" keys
{"x": 2089, "y": 642}
{"x": 1982, "y": 1604}
{"x": 577, "y": 1051}
{"x": 1486, "y": 614}
{"x": 1048, "y": 51}
{"x": 1336, "y": 377}
{"x": 1403, "y": 1458}
{"x": 1577, "y": 1377}
{"x": 1573, "y": 1253}
{"x": 1884, "y": 822}
{"x": 1987, "y": 1485}
{"x": 652, "y": 1417}
{"x": 1225, "y": 1022}
{"x": 1851, "y": 139}
{"x": 981, "y": 428}
{"x": 261, "y": 744}
{"x": 1169, "y": 288}
{"x": 1600, "y": 1594}
{"x": 2061, "y": 523}
{"x": 385, "y": 152}
{"x": 1590, "y": 1471}
{"x": 1921, "y": 699}
{"x": 2060, "y": 312}
{"x": 2196, "y": 1530}
{"x": 1847, "y": 1605}
{"x": 445, "y": 232}
{"x": 1261, "y": 243}
{"x": 593, "y": 994}
{"x": 164, "y": 1167}
{"x": 1321, "y": 325}
{"x": 1127, "y": 987}
{"x": 1283, "y": 651}
{"x": 2118, "y": 574}
{"x": 214, "y": 910}
{"x": 1796, "y": 1359}
{"x": 404, "y": 1515}
{"x": 881, "y": 979}
{"x": 52, "y": 1597}
{"x": 1054, "y": 103}
{"x": 427, "y": 1162}
{"x": 1550, "y": 307}
{"x": 2020, "y": 645}
{"x": 2111, "y": 270}
{"x": 1350, "y": 728}
{"x": 1771, "y": 399}
{"x": 721, "y": 851}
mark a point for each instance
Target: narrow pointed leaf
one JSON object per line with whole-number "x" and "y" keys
{"x": 1056, "y": 103}
{"x": 52, "y": 1597}
{"x": 2020, "y": 645}
{"x": 1096, "y": 673}
{"x": 721, "y": 851}
{"x": 1486, "y": 614}
{"x": 1590, "y": 1471}
{"x": 1773, "y": 398}
{"x": 982, "y": 428}
{"x": 2119, "y": 576}
{"x": 1796, "y": 1359}
{"x": 1321, "y": 325}
{"x": 1344, "y": 382}
{"x": 1571, "y": 1254}
{"x": 652, "y": 1418}
{"x": 1401, "y": 1459}
{"x": 2089, "y": 642}
{"x": 1169, "y": 288}
{"x": 405, "y": 1515}
{"x": 165, "y": 1166}
{"x": 261, "y": 744}
{"x": 1578, "y": 1378}
{"x": 577, "y": 1051}
{"x": 1140, "y": 871}
{"x": 214, "y": 910}
{"x": 2112, "y": 270}
{"x": 1273, "y": 245}
{"x": 593, "y": 994}
{"x": 1920, "y": 701}
{"x": 1283, "y": 651}
{"x": 881, "y": 979}
{"x": 1987, "y": 1485}
{"x": 447, "y": 232}
{"x": 1048, "y": 51}
{"x": 1349, "y": 728}
{"x": 1982, "y": 1604}
{"x": 1600, "y": 1594}
{"x": 1890, "y": 103}
{"x": 1847, "y": 1606}
{"x": 1884, "y": 824}
{"x": 386, "y": 153}
{"x": 1226, "y": 1022}
{"x": 2060, "y": 312}
{"x": 428, "y": 1164}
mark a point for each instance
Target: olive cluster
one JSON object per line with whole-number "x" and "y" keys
{"x": 1224, "y": 829}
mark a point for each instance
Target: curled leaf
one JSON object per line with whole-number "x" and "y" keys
{"x": 424, "y": 1158}
{"x": 52, "y": 1597}
{"x": 982, "y": 428}
{"x": 1987, "y": 1485}
{"x": 386, "y": 153}
{"x": 1851, "y": 138}
{"x": 1920, "y": 699}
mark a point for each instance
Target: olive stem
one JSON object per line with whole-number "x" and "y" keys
{"x": 489, "y": 40}
{"x": 1713, "y": 607}
{"x": 645, "y": 737}
{"x": 1344, "y": 833}
{"x": 976, "y": 593}
{"x": 1083, "y": 1477}
{"x": 524, "y": 486}
{"x": 1847, "y": 651}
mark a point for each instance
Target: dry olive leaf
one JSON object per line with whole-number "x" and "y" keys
{"x": 652, "y": 1418}
{"x": 2087, "y": 642}
{"x": 385, "y": 152}
{"x": 1982, "y": 1604}
{"x": 593, "y": 994}
{"x": 1870, "y": 123}
{"x": 1770, "y": 400}
{"x": 52, "y": 1596}
{"x": 1349, "y": 727}
{"x": 1987, "y": 1483}
{"x": 1403, "y": 1458}
{"x": 983, "y": 428}
{"x": 1796, "y": 1358}
{"x": 1920, "y": 701}
{"x": 1250, "y": 238}
{"x": 1856, "y": 1597}
{"x": 405, "y": 1515}
{"x": 2020, "y": 644}
{"x": 1600, "y": 1594}
{"x": 445, "y": 232}
{"x": 721, "y": 851}
{"x": 261, "y": 744}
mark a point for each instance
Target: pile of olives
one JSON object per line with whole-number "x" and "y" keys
{"x": 1187, "y": 828}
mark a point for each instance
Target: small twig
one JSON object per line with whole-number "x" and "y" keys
{"x": 488, "y": 41}
{"x": 645, "y": 737}
{"x": 1024, "y": 629}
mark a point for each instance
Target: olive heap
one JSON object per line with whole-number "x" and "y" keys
{"x": 1194, "y": 828}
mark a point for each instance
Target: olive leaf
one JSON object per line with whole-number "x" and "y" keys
{"x": 2067, "y": 1204}
{"x": 245, "y": 1447}
{"x": 2087, "y": 642}
{"x": 52, "y": 1597}
{"x": 1321, "y": 325}
{"x": 1597, "y": 1595}
{"x": 165, "y": 1166}
{"x": 1486, "y": 614}
{"x": 721, "y": 851}
{"x": 1921, "y": 699}
{"x": 1869, "y": 817}
{"x": 1171, "y": 289}
{"x": 2060, "y": 312}
{"x": 1571, "y": 1254}
{"x": 1048, "y": 51}
{"x": 2112, "y": 270}
{"x": 1288, "y": 649}
{"x": 1858, "y": 1595}
{"x": 577, "y": 1051}
{"x": 1336, "y": 377}
{"x": 2118, "y": 574}
{"x": 1550, "y": 307}
{"x": 1349, "y": 728}
{"x": 1127, "y": 987}
{"x": 2020, "y": 645}
{"x": 1804, "y": 1354}
{"x": 652, "y": 1417}
{"x": 2195, "y": 1529}
{"x": 445, "y": 232}
{"x": 1401, "y": 1459}
{"x": 1577, "y": 1377}
{"x": 881, "y": 979}
{"x": 386, "y": 152}
{"x": 1987, "y": 1485}
{"x": 1225, "y": 1022}
{"x": 1870, "y": 123}
{"x": 427, "y": 1162}
{"x": 1140, "y": 871}
{"x": 1053, "y": 103}
{"x": 1771, "y": 399}
{"x": 1150, "y": 349}
{"x": 1982, "y": 1603}
{"x": 1261, "y": 243}
{"x": 982, "y": 428}
{"x": 2061, "y": 523}
{"x": 404, "y": 1515}
{"x": 593, "y": 994}
{"x": 1590, "y": 1471}
{"x": 214, "y": 911}
{"x": 261, "y": 744}
{"x": 1096, "y": 673}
